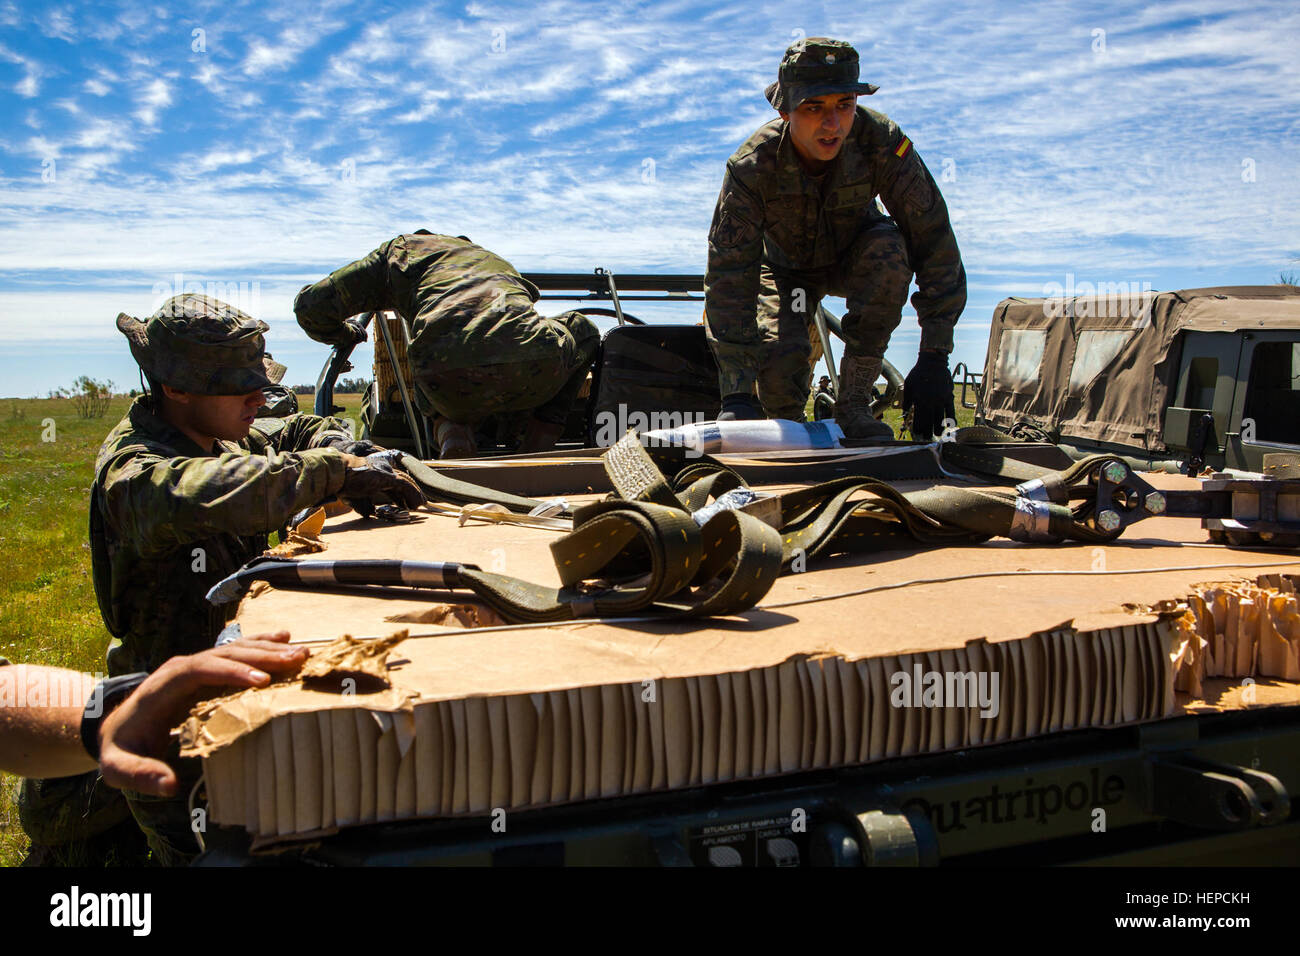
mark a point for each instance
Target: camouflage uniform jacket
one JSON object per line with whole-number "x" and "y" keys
{"x": 466, "y": 306}
{"x": 168, "y": 520}
{"x": 770, "y": 211}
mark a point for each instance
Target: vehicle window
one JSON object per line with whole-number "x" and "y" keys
{"x": 1093, "y": 351}
{"x": 1020, "y": 357}
{"x": 1202, "y": 377}
{"x": 1273, "y": 393}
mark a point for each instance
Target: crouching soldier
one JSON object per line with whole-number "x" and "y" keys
{"x": 797, "y": 220}
{"x": 478, "y": 347}
{"x": 187, "y": 489}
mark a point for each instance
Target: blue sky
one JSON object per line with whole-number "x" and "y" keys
{"x": 259, "y": 146}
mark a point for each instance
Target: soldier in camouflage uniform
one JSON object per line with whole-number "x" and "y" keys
{"x": 478, "y": 347}
{"x": 797, "y": 220}
{"x": 187, "y": 488}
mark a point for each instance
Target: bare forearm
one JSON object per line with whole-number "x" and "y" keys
{"x": 40, "y": 721}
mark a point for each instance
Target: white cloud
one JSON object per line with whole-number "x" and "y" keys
{"x": 99, "y": 133}
{"x": 278, "y": 55}
{"x": 152, "y": 100}
{"x": 58, "y": 24}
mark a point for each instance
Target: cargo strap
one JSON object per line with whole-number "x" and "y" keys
{"x": 813, "y": 519}
{"x": 701, "y": 543}
{"x": 733, "y": 558}
{"x": 438, "y": 487}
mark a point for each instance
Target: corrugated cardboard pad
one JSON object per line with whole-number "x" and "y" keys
{"x": 951, "y": 649}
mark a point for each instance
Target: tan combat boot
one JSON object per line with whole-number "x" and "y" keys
{"x": 454, "y": 441}
{"x": 853, "y": 400}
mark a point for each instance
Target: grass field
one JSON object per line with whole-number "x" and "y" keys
{"x": 48, "y": 613}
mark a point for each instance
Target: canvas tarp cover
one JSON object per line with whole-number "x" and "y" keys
{"x": 1102, "y": 367}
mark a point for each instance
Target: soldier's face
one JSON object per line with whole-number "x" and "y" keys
{"x": 820, "y": 125}
{"x": 227, "y": 417}
{"x": 230, "y": 417}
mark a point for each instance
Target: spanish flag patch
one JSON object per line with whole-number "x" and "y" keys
{"x": 903, "y": 148}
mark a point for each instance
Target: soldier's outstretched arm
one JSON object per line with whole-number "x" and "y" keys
{"x": 731, "y": 284}
{"x": 913, "y": 199}
{"x": 162, "y": 502}
{"x": 323, "y": 307}
{"x": 303, "y": 431}
{"x": 43, "y": 710}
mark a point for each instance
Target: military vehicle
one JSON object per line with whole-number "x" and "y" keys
{"x": 1200, "y": 377}
{"x": 1139, "y": 776}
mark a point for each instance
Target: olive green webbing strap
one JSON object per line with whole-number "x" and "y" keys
{"x": 659, "y": 554}
{"x": 988, "y": 464}
{"x": 829, "y": 514}
{"x": 810, "y": 519}
{"x": 660, "y": 548}
{"x": 639, "y": 484}
{"x": 669, "y": 552}
{"x": 438, "y": 487}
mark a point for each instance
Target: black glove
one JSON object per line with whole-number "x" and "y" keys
{"x": 357, "y": 333}
{"x": 351, "y": 446}
{"x": 374, "y": 477}
{"x": 740, "y": 407}
{"x": 927, "y": 393}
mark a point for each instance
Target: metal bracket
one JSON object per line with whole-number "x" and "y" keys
{"x": 824, "y": 334}
{"x": 890, "y": 837}
{"x": 1214, "y": 796}
{"x": 417, "y": 433}
{"x": 970, "y": 380}
{"x": 1237, "y": 510}
{"x": 1263, "y": 509}
{"x": 613, "y": 294}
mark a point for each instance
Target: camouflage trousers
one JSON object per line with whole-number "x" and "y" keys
{"x": 166, "y": 821}
{"x": 873, "y": 278}
{"x": 82, "y": 821}
{"x": 548, "y": 388}
{"x": 79, "y": 821}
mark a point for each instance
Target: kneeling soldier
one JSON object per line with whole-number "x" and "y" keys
{"x": 478, "y": 347}
{"x": 187, "y": 488}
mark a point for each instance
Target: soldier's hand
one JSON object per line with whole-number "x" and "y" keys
{"x": 927, "y": 394}
{"x": 374, "y": 477}
{"x": 360, "y": 447}
{"x": 134, "y": 736}
{"x": 357, "y": 333}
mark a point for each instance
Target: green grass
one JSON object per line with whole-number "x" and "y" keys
{"x": 48, "y": 613}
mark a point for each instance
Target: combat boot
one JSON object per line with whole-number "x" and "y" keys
{"x": 454, "y": 441}
{"x": 853, "y": 399}
{"x": 540, "y": 436}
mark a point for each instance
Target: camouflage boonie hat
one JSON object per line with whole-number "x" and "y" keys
{"x": 203, "y": 346}
{"x": 816, "y": 66}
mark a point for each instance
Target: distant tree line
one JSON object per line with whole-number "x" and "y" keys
{"x": 341, "y": 386}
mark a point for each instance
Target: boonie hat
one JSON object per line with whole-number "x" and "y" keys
{"x": 202, "y": 345}
{"x": 816, "y": 66}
